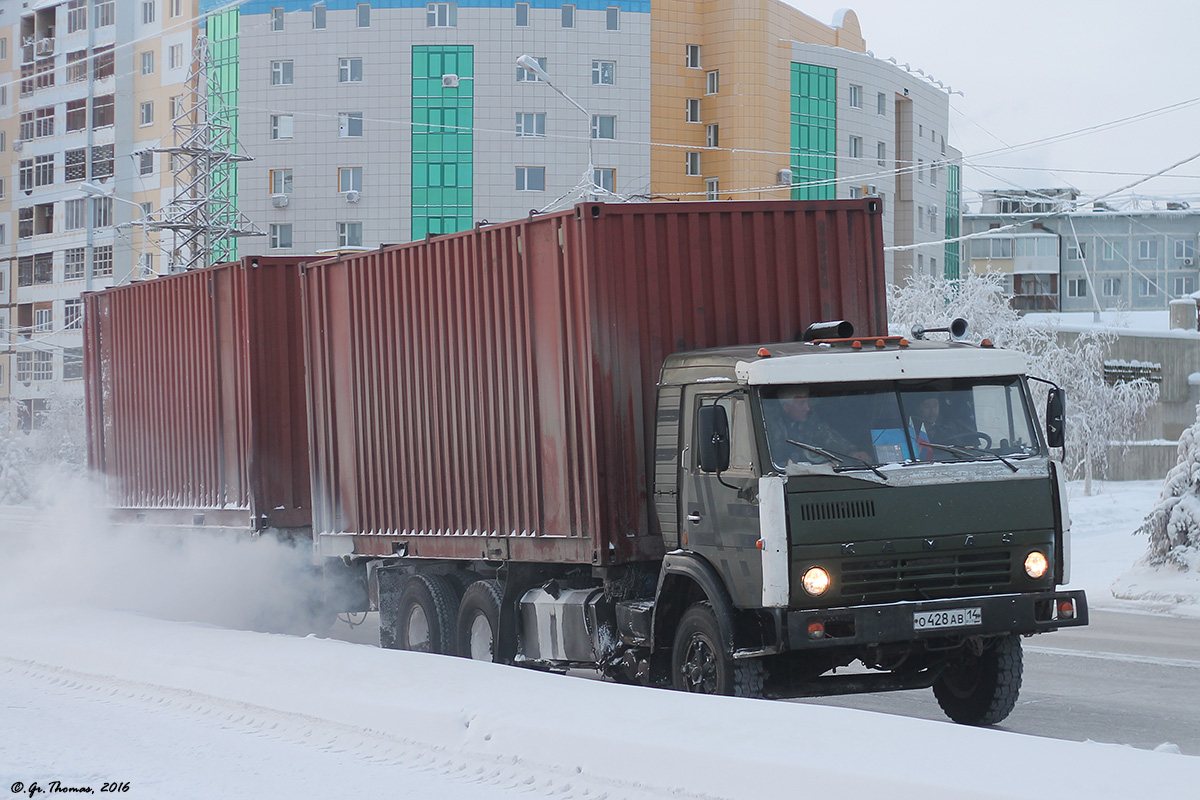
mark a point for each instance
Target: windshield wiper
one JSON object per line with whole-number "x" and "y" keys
{"x": 838, "y": 458}
{"x": 970, "y": 452}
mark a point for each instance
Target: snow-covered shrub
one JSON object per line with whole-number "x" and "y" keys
{"x": 1098, "y": 414}
{"x": 1174, "y": 524}
{"x": 58, "y": 445}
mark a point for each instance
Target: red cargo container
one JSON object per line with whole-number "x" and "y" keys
{"x": 491, "y": 393}
{"x": 195, "y": 397}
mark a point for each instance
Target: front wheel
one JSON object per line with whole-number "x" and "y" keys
{"x": 700, "y": 663}
{"x": 982, "y": 689}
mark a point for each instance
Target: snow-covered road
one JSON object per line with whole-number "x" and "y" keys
{"x": 94, "y": 689}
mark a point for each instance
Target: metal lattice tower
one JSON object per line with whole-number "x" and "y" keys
{"x": 202, "y": 218}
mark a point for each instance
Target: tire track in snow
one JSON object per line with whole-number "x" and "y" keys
{"x": 509, "y": 774}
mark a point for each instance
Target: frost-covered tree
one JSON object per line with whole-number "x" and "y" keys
{"x": 1174, "y": 524}
{"x": 57, "y": 443}
{"x": 1099, "y": 416}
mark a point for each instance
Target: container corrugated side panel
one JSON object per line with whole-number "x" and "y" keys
{"x": 489, "y": 394}
{"x": 195, "y": 395}
{"x": 699, "y": 275}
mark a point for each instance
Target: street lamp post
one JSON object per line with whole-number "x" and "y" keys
{"x": 588, "y": 183}
{"x": 93, "y": 190}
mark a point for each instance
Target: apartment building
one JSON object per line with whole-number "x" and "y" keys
{"x": 87, "y": 93}
{"x": 1059, "y": 255}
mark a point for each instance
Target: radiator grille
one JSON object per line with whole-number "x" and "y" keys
{"x": 925, "y": 576}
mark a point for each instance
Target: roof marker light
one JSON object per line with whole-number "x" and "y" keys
{"x": 856, "y": 345}
{"x": 903, "y": 342}
{"x": 986, "y": 343}
{"x": 764, "y": 352}
{"x": 880, "y": 343}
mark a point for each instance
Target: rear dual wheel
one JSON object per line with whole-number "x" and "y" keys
{"x": 426, "y": 615}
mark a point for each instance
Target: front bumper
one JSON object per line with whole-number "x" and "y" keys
{"x": 1034, "y": 612}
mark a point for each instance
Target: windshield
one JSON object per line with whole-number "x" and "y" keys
{"x": 887, "y": 422}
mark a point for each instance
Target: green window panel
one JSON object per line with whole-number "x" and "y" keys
{"x": 814, "y": 132}
{"x": 442, "y": 140}
{"x": 224, "y": 31}
{"x": 953, "y": 221}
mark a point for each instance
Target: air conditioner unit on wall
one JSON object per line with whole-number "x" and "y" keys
{"x": 353, "y": 196}
{"x": 279, "y": 200}
{"x": 1187, "y": 262}
{"x": 450, "y": 81}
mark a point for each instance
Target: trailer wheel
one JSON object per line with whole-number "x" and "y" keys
{"x": 479, "y": 620}
{"x": 700, "y": 663}
{"x": 982, "y": 689}
{"x": 427, "y": 611}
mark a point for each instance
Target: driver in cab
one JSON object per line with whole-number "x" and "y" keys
{"x": 794, "y": 419}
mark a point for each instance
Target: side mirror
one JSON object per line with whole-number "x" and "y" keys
{"x": 1056, "y": 417}
{"x": 713, "y": 445}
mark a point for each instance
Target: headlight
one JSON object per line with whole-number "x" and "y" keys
{"x": 1036, "y": 565}
{"x": 815, "y": 581}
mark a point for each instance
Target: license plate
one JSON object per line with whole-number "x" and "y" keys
{"x": 948, "y": 618}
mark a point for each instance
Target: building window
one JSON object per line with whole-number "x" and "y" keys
{"x": 1077, "y": 287}
{"x": 25, "y": 222}
{"x": 176, "y": 107}
{"x": 105, "y": 12}
{"x": 74, "y": 260}
{"x": 531, "y": 124}
{"x": 281, "y": 181}
{"x": 693, "y": 109}
{"x": 713, "y": 81}
{"x": 25, "y": 127}
{"x": 692, "y": 54}
{"x": 856, "y": 146}
{"x": 318, "y": 17}
{"x": 350, "y": 70}
{"x": 147, "y": 209}
{"x": 1111, "y": 251}
{"x": 176, "y": 7}
{"x": 350, "y": 125}
{"x": 712, "y": 189}
{"x": 525, "y": 75}
{"x": 1147, "y": 287}
{"x": 363, "y": 16}
{"x": 1147, "y": 249}
{"x": 277, "y": 18}
{"x": 43, "y": 170}
{"x": 880, "y": 153}
{"x": 146, "y": 113}
{"x": 522, "y": 12}
{"x": 148, "y": 62}
{"x": 281, "y": 73}
{"x": 855, "y": 192}
{"x": 350, "y": 179}
{"x": 605, "y": 178}
{"x": 75, "y": 214}
{"x": 881, "y": 105}
{"x": 147, "y": 12}
{"x": 1185, "y": 248}
{"x": 568, "y": 16}
{"x": 350, "y": 234}
{"x": 3, "y": 194}
{"x": 933, "y": 174}
{"x": 73, "y": 314}
{"x": 856, "y": 94}
{"x": 44, "y": 122}
{"x": 920, "y": 218}
{"x": 77, "y": 15}
{"x": 1183, "y": 285}
{"x": 25, "y": 174}
{"x": 604, "y": 127}
{"x": 175, "y": 56}
{"x": 1076, "y": 252}
{"x": 920, "y": 170}
{"x": 77, "y": 66}
{"x": 712, "y": 135}
{"x": 102, "y": 261}
{"x": 103, "y": 114}
{"x": 604, "y": 73}
{"x": 281, "y": 236}
{"x": 102, "y": 212}
{"x": 103, "y": 62}
{"x": 72, "y": 363}
{"x": 441, "y": 15}
{"x": 43, "y": 365}
{"x": 75, "y": 166}
{"x": 531, "y": 179}
{"x": 692, "y": 164}
{"x": 281, "y": 126}
{"x": 612, "y": 18}
{"x": 102, "y": 161}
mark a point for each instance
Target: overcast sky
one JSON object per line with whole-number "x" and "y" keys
{"x": 1034, "y": 69}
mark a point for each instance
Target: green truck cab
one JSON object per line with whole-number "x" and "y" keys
{"x": 878, "y": 501}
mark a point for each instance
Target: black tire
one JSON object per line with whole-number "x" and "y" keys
{"x": 461, "y": 579}
{"x": 700, "y": 663}
{"x": 479, "y": 620}
{"x": 982, "y": 689}
{"x": 426, "y": 616}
